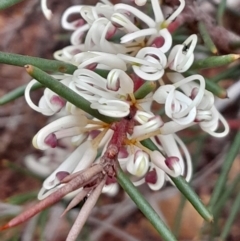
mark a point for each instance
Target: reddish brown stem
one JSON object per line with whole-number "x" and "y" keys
{"x": 53, "y": 198}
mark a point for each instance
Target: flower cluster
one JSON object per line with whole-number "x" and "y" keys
{"x": 125, "y": 62}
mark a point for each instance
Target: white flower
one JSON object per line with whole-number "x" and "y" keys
{"x": 138, "y": 166}
{"x": 156, "y": 27}
{"x": 181, "y": 56}
{"x": 207, "y": 115}
{"x": 178, "y": 106}
{"x": 100, "y": 60}
{"x": 46, "y": 11}
{"x": 148, "y": 64}
{"x": 50, "y": 103}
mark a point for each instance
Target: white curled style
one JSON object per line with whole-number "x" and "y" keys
{"x": 148, "y": 64}
{"x": 181, "y": 56}
{"x": 151, "y": 125}
{"x": 139, "y": 165}
{"x": 66, "y": 54}
{"x": 165, "y": 34}
{"x": 160, "y": 178}
{"x": 118, "y": 80}
{"x": 81, "y": 155}
{"x": 108, "y": 61}
{"x": 71, "y": 11}
{"x": 112, "y": 108}
{"x": 122, "y": 21}
{"x": 210, "y": 125}
{"x": 49, "y": 104}
{"x": 121, "y": 7}
{"x": 65, "y": 123}
{"x": 96, "y": 38}
{"x": 173, "y": 16}
{"x": 46, "y": 11}
{"x": 178, "y": 106}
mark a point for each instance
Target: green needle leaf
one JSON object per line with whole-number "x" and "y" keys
{"x": 216, "y": 89}
{"x": 207, "y": 38}
{"x": 231, "y": 155}
{"x": 192, "y": 197}
{"x": 184, "y": 188}
{"x": 220, "y": 11}
{"x": 65, "y": 92}
{"x": 144, "y": 206}
{"x": 230, "y": 73}
{"x": 44, "y": 64}
{"x": 214, "y": 61}
{"x": 227, "y": 192}
{"x": 16, "y": 93}
{"x": 234, "y": 212}
{"x": 145, "y": 89}
{"x": 8, "y": 3}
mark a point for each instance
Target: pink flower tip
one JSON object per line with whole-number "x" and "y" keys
{"x": 57, "y": 100}
{"x": 171, "y": 161}
{"x": 51, "y": 140}
{"x": 61, "y": 175}
{"x": 151, "y": 176}
{"x": 158, "y": 42}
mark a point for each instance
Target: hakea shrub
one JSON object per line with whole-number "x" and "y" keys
{"x": 122, "y": 55}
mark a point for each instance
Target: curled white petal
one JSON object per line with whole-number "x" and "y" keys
{"x": 45, "y": 109}
{"x": 160, "y": 178}
{"x": 143, "y": 117}
{"x": 177, "y": 12}
{"x": 157, "y": 11}
{"x": 152, "y": 125}
{"x": 125, "y": 82}
{"x": 60, "y": 124}
{"x": 148, "y": 64}
{"x": 78, "y": 34}
{"x": 136, "y": 12}
{"x": 112, "y": 108}
{"x": 70, "y": 11}
{"x": 139, "y": 165}
{"x": 67, "y": 166}
{"x": 170, "y": 147}
{"x": 159, "y": 160}
{"x": 181, "y": 56}
{"x": 211, "y": 125}
{"x": 110, "y": 61}
{"x": 46, "y": 11}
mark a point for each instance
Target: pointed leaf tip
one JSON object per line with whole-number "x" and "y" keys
{"x": 4, "y": 227}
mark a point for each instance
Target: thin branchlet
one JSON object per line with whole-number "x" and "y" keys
{"x": 85, "y": 211}
{"x": 76, "y": 200}
{"x": 53, "y": 198}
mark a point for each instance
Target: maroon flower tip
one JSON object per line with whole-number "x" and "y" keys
{"x": 57, "y": 100}
{"x": 158, "y": 42}
{"x": 111, "y": 32}
{"x": 170, "y": 161}
{"x": 151, "y": 176}
{"x": 61, "y": 175}
{"x": 79, "y": 23}
{"x": 51, "y": 140}
{"x": 91, "y": 66}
